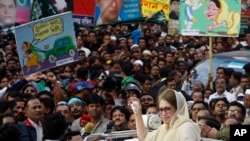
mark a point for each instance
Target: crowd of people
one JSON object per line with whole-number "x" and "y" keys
{"x": 115, "y": 73}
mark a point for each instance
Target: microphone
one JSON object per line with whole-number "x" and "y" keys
{"x": 87, "y": 129}
{"x": 109, "y": 127}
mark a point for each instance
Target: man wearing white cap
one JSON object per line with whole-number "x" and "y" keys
{"x": 138, "y": 66}
{"x": 246, "y": 103}
{"x": 135, "y": 48}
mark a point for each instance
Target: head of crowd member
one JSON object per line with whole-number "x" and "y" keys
{"x": 244, "y": 81}
{"x": 170, "y": 83}
{"x": 196, "y": 107}
{"x": 246, "y": 99}
{"x": 207, "y": 93}
{"x": 236, "y": 110}
{"x": 219, "y": 109}
{"x": 63, "y": 108}
{"x": 133, "y": 89}
{"x": 47, "y": 106}
{"x": 83, "y": 89}
{"x": 246, "y": 67}
{"x": 109, "y": 10}
{"x": 7, "y": 118}
{"x": 142, "y": 43}
{"x": 198, "y": 86}
{"x": 145, "y": 100}
{"x": 8, "y": 13}
{"x": 152, "y": 109}
{"x": 107, "y": 108}
{"x": 221, "y": 72}
{"x": 30, "y": 90}
{"x": 45, "y": 94}
{"x": 204, "y": 112}
{"x": 211, "y": 121}
{"x": 33, "y": 110}
{"x": 9, "y": 132}
{"x": 54, "y": 126}
{"x": 235, "y": 78}
{"x": 131, "y": 122}
{"x": 197, "y": 96}
{"x": 146, "y": 84}
{"x": 220, "y": 85}
{"x": 120, "y": 115}
{"x": 95, "y": 105}
{"x": 19, "y": 109}
{"x": 77, "y": 107}
{"x": 72, "y": 136}
{"x": 138, "y": 66}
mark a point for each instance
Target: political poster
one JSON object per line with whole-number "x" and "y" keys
{"x": 108, "y": 11}
{"x": 13, "y": 13}
{"x": 46, "y": 43}
{"x": 149, "y": 7}
{"x": 173, "y": 21}
{"x": 210, "y": 17}
{"x": 245, "y": 17}
{"x": 84, "y": 12}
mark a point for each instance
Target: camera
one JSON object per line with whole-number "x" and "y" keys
{"x": 151, "y": 121}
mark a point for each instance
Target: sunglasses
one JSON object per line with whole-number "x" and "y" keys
{"x": 164, "y": 109}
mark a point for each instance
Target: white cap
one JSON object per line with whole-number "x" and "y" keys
{"x": 134, "y": 46}
{"x": 247, "y": 91}
{"x": 139, "y": 62}
{"x": 147, "y": 52}
{"x": 86, "y": 50}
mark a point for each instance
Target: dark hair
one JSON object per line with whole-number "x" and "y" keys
{"x": 94, "y": 98}
{"x": 237, "y": 75}
{"x": 164, "y": 71}
{"x": 9, "y": 132}
{"x": 200, "y": 102}
{"x": 127, "y": 69}
{"x": 168, "y": 79}
{"x": 54, "y": 126}
{"x": 215, "y": 100}
{"x": 82, "y": 73}
{"x": 45, "y": 92}
{"x": 236, "y": 103}
{"x": 5, "y": 105}
{"x": 211, "y": 121}
{"x": 48, "y": 103}
{"x": 68, "y": 136}
{"x": 4, "y": 115}
{"x": 123, "y": 110}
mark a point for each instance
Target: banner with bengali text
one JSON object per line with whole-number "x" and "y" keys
{"x": 149, "y": 7}
{"x": 48, "y": 43}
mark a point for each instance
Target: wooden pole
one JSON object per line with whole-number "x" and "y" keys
{"x": 211, "y": 60}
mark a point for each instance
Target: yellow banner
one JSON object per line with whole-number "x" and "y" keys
{"x": 149, "y": 7}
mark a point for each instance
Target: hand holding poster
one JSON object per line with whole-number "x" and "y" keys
{"x": 210, "y": 17}
{"x": 48, "y": 42}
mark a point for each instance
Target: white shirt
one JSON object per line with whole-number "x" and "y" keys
{"x": 99, "y": 20}
{"x": 39, "y": 130}
{"x": 234, "y": 91}
{"x": 230, "y": 97}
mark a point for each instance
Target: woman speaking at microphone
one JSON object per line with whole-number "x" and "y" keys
{"x": 173, "y": 111}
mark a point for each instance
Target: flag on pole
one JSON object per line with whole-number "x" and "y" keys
{"x": 41, "y": 9}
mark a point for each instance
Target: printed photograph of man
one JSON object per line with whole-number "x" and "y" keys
{"x": 109, "y": 11}
{"x": 7, "y": 15}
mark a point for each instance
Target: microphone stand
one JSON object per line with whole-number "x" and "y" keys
{"x": 116, "y": 134}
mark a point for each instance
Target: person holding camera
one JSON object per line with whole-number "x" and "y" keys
{"x": 173, "y": 111}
